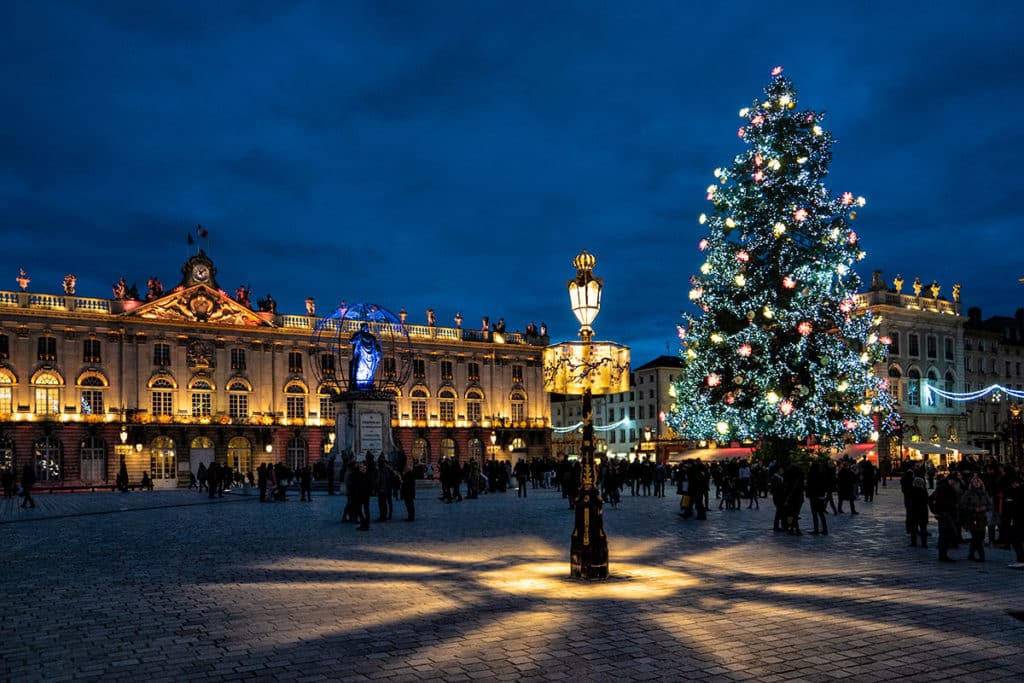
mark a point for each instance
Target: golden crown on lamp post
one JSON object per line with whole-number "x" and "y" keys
{"x": 585, "y": 293}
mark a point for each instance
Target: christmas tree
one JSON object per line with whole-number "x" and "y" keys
{"x": 780, "y": 352}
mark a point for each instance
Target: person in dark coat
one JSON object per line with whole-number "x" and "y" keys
{"x": 699, "y": 485}
{"x": 28, "y": 480}
{"x": 817, "y": 487}
{"x": 868, "y": 480}
{"x": 794, "y": 481}
{"x": 917, "y": 511}
{"x": 385, "y": 480}
{"x": 261, "y": 481}
{"x": 846, "y": 486}
{"x": 212, "y": 479}
{"x": 306, "y": 484}
{"x": 365, "y": 480}
{"x": 201, "y": 476}
{"x": 777, "y": 488}
{"x": 943, "y": 503}
{"x": 408, "y": 490}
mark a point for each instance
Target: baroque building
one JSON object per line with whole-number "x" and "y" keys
{"x": 926, "y": 335}
{"x": 992, "y": 355}
{"x": 169, "y": 380}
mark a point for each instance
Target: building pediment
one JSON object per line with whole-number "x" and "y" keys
{"x": 199, "y": 303}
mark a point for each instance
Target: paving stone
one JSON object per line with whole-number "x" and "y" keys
{"x": 169, "y": 585}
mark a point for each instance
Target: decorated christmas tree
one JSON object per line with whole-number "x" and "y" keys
{"x": 779, "y": 352}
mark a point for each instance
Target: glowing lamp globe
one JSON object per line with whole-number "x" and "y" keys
{"x": 585, "y": 293}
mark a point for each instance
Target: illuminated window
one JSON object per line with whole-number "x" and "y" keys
{"x": 202, "y": 399}
{"x": 419, "y": 404}
{"x": 5, "y": 348}
{"x": 295, "y": 401}
{"x": 388, "y": 368}
{"x": 420, "y": 451}
{"x": 238, "y": 359}
{"x": 517, "y": 374}
{"x": 419, "y": 368}
{"x": 6, "y": 453}
{"x": 240, "y": 455}
{"x": 327, "y": 405}
{"x": 94, "y": 459}
{"x": 518, "y": 406}
{"x": 447, "y": 448}
{"x": 48, "y": 459}
{"x": 473, "y": 372}
{"x": 163, "y": 397}
{"x": 161, "y": 459}
{"x": 895, "y": 379}
{"x": 447, "y": 405}
{"x": 295, "y": 362}
{"x": 327, "y": 364}
{"x": 474, "y": 401}
{"x": 446, "y": 370}
{"x": 6, "y": 393}
{"x": 47, "y": 394}
{"x": 914, "y": 387}
{"x": 238, "y": 401}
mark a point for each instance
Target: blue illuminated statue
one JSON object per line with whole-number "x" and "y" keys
{"x": 365, "y": 357}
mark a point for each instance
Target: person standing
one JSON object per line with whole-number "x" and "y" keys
{"x": 261, "y": 481}
{"x": 794, "y": 479}
{"x": 917, "y": 511}
{"x": 212, "y": 479}
{"x": 408, "y": 490}
{"x": 777, "y": 487}
{"x": 846, "y": 486}
{"x": 201, "y": 476}
{"x": 522, "y": 474}
{"x": 28, "y": 480}
{"x": 943, "y": 504}
{"x": 868, "y": 480}
{"x": 816, "y": 488}
{"x": 330, "y": 476}
{"x": 975, "y": 505}
{"x": 306, "y": 484}
{"x": 385, "y": 477}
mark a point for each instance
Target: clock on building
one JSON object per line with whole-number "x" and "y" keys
{"x": 200, "y": 272}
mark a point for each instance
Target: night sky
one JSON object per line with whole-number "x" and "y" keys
{"x": 457, "y": 155}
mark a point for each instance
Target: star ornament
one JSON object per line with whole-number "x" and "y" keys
{"x": 777, "y": 71}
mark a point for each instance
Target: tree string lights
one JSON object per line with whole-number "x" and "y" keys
{"x": 779, "y": 351}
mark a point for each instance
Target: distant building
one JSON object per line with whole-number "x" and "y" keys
{"x": 992, "y": 355}
{"x": 167, "y": 381}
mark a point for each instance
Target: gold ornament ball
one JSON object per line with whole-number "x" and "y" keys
{"x": 853, "y": 215}
{"x": 791, "y": 105}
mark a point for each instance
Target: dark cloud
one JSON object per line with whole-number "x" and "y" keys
{"x": 456, "y": 156}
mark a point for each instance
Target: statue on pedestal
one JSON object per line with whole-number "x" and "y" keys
{"x": 956, "y": 292}
{"x": 935, "y": 289}
{"x": 366, "y": 353}
{"x": 69, "y": 284}
{"x": 898, "y": 283}
{"x": 917, "y": 286}
{"x": 23, "y": 279}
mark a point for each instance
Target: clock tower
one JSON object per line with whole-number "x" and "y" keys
{"x": 199, "y": 270}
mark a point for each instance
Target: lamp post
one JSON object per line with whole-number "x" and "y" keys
{"x": 581, "y": 369}
{"x": 494, "y": 441}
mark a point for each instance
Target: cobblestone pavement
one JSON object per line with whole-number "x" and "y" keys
{"x": 170, "y": 586}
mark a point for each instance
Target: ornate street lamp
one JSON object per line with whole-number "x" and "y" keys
{"x": 585, "y": 368}
{"x": 494, "y": 441}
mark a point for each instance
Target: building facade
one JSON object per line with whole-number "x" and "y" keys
{"x": 173, "y": 379}
{"x": 992, "y": 355}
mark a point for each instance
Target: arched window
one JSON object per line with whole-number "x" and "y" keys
{"x": 6, "y": 393}
{"x": 240, "y": 455}
{"x": 518, "y": 444}
{"x": 419, "y": 403}
{"x": 914, "y": 387}
{"x": 238, "y": 400}
{"x": 162, "y": 398}
{"x": 446, "y": 401}
{"x": 296, "y": 454}
{"x": 94, "y": 459}
{"x": 201, "y": 443}
{"x": 202, "y": 398}
{"x": 295, "y": 401}
{"x": 447, "y": 448}
{"x": 161, "y": 459}
{"x": 895, "y": 380}
{"x": 933, "y": 381}
{"x": 328, "y": 408}
{"x": 49, "y": 459}
{"x": 474, "y": 403}
{"x": 476, "y": 449}
{"x": 950, "y": 382}
{"x": 92, "y": 395}
{"x": 47, "y": 393}
{"x": 518, "y": 400}
{"x": 420, "y": 451}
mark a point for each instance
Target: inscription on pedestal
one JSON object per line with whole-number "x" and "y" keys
{"x": 371, "y": 433}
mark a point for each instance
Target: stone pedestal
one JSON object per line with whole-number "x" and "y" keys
{"x": 363, "y": 425}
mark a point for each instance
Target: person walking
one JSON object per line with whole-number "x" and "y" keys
{"x": 794, "y": 480}
{"x": 385, "y": 480}
{"x": 975, "y": 505}
{"x": 306, "y": 484}
{"x": 28, "y": 480}
{"x": 201, "y": 476}
{"x": 522, "y": 473}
